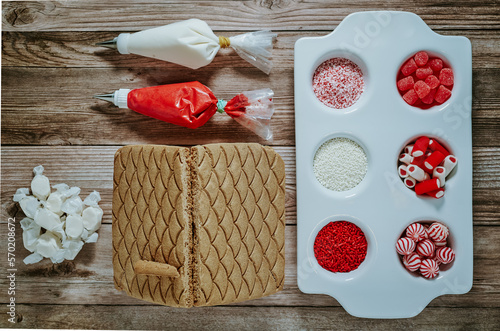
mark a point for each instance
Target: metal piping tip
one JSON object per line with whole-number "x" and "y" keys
{"x": 110, "y": 97}
{"x": 108, "y": 43}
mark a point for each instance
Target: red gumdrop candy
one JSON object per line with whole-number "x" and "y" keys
{"x": 432, "y": 81}
{"x": 410, "y": 97}
{"x": 436, "y": 64}
{"x": 442, "y": 94}
{"x": 423, "y": 73}
{"x": 430, "y": 97}
{"x": 421, "y": 58}
{"x": 409, "y": 67}
{"x": 422, "y": 89}
{"x": 406, "y": 83}
{"x": 446, "y": 77}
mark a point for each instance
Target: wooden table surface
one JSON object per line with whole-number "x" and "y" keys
{"x": 50, "y": 70}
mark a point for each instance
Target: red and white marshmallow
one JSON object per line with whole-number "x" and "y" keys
{"x": 426, "y": 186}
{"x": 435, "y": 146}
{"x": 427, "y": 164}
{"x": 436, "y": 194}
{"x": 406, "y": 158}
{"x": 409, "y": 149}
{"x": 410, "y": 182}
{"x": 433, "y": 160}
{"x": 439, "y": 173}
{"x": 420, "y": 146}
{"x": 403, "y": 171}
{"x": 449, "y": 163}
{"x": 416, "y": 172}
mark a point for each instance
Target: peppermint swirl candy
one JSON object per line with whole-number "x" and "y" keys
{"x": 426, "y": 248}
{"x": 405, "y": 246}
{"x": 445, "y": 255}
{"x": 429, "y": 268}
{"x": 412, "y": 262}
{"x": 438, "y": 232}
{"x": 416, "y": 232}
{"x": 440, "y": 243}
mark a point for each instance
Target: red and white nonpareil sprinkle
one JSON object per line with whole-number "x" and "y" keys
{"x": 338, "y": 83}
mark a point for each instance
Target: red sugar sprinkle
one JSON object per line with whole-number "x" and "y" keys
{"x": 338, "y": 83}
{"x": 340, "y": 246}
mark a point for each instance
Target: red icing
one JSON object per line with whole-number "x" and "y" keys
{"x": 237, "y": 106}
{"x": 186, "y": 104}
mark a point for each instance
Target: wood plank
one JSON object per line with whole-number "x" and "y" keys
{"x": 91, "y": 168}
{"x": 242, "y": 318}
{"x": 89, "y": 278}
{"x": 77, "y": 49}
{"x": 54, "y": 106}
{"x": 232, "y": 15}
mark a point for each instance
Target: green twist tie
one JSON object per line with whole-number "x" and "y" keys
{"x": 221, "y": 104}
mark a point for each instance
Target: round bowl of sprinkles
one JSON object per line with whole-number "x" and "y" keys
{"x": 338, "y": 83}
{"x": 340, "y": 164}
{"x": 340, "y": 246}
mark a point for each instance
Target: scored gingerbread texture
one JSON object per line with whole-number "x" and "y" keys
{"x": 214, "y": 212}
{"x": 150, "y": 222}
{"x": 239, "y": 196}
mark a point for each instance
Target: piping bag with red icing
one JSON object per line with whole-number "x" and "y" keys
{"x": 192, "y": 104}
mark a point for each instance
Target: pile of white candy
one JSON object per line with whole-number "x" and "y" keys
{"x": 57, "y": 223}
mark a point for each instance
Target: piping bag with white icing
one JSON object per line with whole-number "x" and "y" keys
{"x": 192, "y": 43}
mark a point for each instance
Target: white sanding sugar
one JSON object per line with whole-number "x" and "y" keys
{"x": 340, "y": 164}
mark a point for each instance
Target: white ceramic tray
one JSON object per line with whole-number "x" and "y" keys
{"x": 382, "y": 123}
